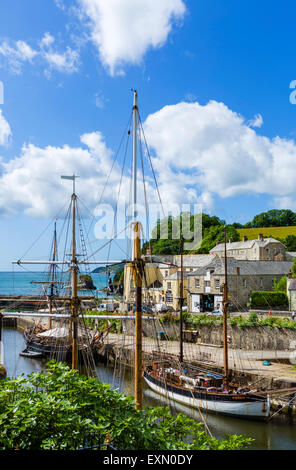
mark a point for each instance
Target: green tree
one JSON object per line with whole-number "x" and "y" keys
{"x": 59, "y": 409}
{"x": 166, "y": 239}
{"x": 275, "y": 218}
{"x": 281, "y": 285}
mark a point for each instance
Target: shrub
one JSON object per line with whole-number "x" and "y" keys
{"x": 268, "y": 299}
{"x": 59, "y": 409}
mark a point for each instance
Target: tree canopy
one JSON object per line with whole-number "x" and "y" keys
{"x": 58, "y": 409}
{"x": 166, "y": 235}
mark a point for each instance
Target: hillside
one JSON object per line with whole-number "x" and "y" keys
{"x": 275, "y": 232}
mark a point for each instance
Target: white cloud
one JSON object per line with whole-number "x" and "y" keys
{"x": 17, "y": 53}
{"x": 5, "y": 131}
{"x": 28, "y": 182}
{"x": 257, "y": 121}
{"x": 123, "y": 30}
{"x": 213, "y": 151}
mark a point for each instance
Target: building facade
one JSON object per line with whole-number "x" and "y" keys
{"x": 262, "y": 249}
{"x": 205, "y": 285}
{"x": 161, "y": 281}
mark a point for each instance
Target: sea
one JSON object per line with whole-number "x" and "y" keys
{"x": 28, "y": 283}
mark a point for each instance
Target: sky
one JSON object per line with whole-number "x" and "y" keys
{"x": 216, "y": 100}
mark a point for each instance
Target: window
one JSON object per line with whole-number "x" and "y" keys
{"x": 166, "y": 274}
{"x": 207, "y": 284}
{"x": 217, "y": 283}
{"x": 267, "y": 250}
{"x": 261, "y": 282}
{"x": 244, "y": 282}
{"x": 169, "y": 286}
{"x": 197, "y": 283}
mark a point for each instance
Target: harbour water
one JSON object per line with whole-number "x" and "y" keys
{"x": 22, "y": 283}
{"x": 273, "y": 435}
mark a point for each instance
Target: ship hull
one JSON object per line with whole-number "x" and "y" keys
{"x": 62, "y": 352}
{"x": 240, "y": 406}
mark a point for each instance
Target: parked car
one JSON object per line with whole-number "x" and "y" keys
{"x": 161, "y": 308}
{"x": 145, "y": 309}
{"x": 217, "y": 313}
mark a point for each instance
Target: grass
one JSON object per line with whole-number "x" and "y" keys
{"x": 275, "y": 232}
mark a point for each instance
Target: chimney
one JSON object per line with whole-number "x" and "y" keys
{"x": 260, "y": 237}
{"x": 245, "y": 238}
{"x": 230, "y": 240}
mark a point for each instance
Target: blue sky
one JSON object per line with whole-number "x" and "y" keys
{"x": 213, "y": 80}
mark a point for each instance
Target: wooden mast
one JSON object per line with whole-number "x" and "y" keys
{"x": 74, "y": 299}
{"x": 73, "y": 326}
{"x": 53, "y": 275}
{"x": 225, "y": 309}
{"x": 181, "y": 302}
{"x": 137, "y": 267}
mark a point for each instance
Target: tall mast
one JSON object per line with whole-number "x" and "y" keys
{"x": 135, "y": 125}
{"x": 181, "y": 302}
{"x": 225, "y": 308}
{"x": 74, "y": 302}
{"x": 74, "y": 272}
{"x": 53, "y": 269}
{"x": 137, "y": 268}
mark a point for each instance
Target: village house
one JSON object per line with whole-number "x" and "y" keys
{"x": 161, "y": 283}
{"x": 261, "y": 249}
{"x": 205, "y": 285}
{"x": 291, "y": 292}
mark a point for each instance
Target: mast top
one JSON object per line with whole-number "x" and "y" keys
{"x": 135, "y": 99}
{"x": 72, "y": 178}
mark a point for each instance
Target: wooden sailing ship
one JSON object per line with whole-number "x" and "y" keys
{"x": 202, "y": 388}
{"x": 171, "y": 376}
{"x": 68, "y": 340}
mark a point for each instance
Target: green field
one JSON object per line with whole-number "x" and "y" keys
{"x": 275, "y": 232}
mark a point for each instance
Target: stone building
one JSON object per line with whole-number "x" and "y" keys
{"x": 291, "y": 292}
{"x": 205, "y": 285}
{"x": 158, "y": 285}
{"x": 262, "y": 249}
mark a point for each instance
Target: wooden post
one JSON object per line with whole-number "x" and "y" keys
{"x": 137, "y": 271}
{"x": 181, "y": 302}
{"x": 225, "y": 309}
{"x": 74, "y": 300}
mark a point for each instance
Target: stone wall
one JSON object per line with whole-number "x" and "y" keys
{"x": 249, "y": 338}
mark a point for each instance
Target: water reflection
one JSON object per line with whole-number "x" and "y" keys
{"x": 272, "y": 435}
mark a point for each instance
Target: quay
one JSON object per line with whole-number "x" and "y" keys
{"x": 245, "y": 365}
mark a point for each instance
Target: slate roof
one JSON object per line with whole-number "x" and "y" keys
{"x": 247, "y": 268}
{"x": 189, "y": 261}
{"x": 176, "y": 276}
{"x": 244, "y": 245}
{"x": 292, "y": 284}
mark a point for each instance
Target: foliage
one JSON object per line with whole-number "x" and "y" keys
{"x": 87, "y": 281}
{"x": 119, "y": 277}
{"x": 293, "y": 269}
{"x": 166, "y": 237}
{"x": 268, "y": 299}
{"x": 281, "y": 285}
{"x": 275, "y": 218}
{"x": 114, "y": 324}
{"x": 252, "y": 320}
{"x": 59, "y": 409}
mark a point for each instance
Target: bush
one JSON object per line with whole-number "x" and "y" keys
{"x": 61, "y": 410}
{"x": 268, "y": 299}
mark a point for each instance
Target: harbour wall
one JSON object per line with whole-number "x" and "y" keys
{"x": 248, "y": 338}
